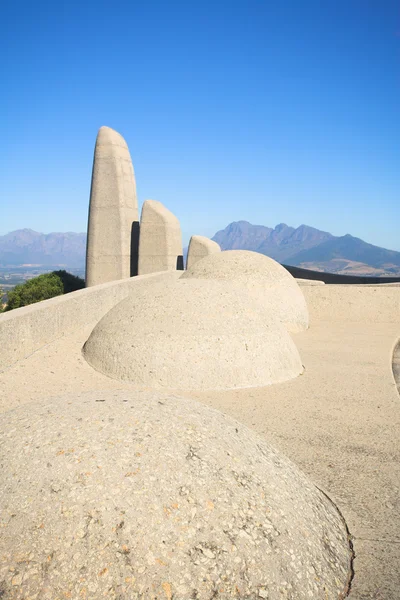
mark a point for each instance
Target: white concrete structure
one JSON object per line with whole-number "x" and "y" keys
{"x": 113, "y": 211}
{"x": 199, "y": 247}
{"x": 339, "y": 422}
{"x": 190, "y": 334}
{"x": 265, "y": 276}
{"x": 160, "y": 241}
{"x": 138, "y": 495}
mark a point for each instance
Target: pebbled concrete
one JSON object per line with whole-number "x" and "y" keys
{"x": 264, "y": 276}
{"x": 199, "y": 247}
{"x": 191, "y": 334}
{"x": 112, "y": 211}
{"x": 138, "y": 495}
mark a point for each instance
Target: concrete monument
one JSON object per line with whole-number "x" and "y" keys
{"x": 113, "y": 212}
{"x": 199, "y": 247}
{"x": 160, "y": 241}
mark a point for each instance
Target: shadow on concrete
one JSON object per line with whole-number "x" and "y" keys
{"x": 135, "y": 231}
{"x": 396, "y": 366}
{"x": 338, "y": 279}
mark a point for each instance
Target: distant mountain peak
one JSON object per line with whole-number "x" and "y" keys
{"x": 279, "y": 242}
{"x": 281, "y": 227}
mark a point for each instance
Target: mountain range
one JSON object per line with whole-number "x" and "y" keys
{"x": 311, "y": 248}
{"x": 28, "y": 247}
{"x": 304, "y": 246}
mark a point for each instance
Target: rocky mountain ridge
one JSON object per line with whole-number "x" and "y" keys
{"x": 311, "y": 248}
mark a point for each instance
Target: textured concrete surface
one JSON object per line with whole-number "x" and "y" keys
{"x": 113, "y": 210}
{"x": 339, "y": 421}
{"x": 395, "y": 284}
{"x": 25, "y": 330}
{"x": 139, "y": 495}
{"x": 160, "y": 241}
{"x": 354, "y": 304}
{"x": 166, "y": 336}
{"x": 260, "y": 273}
{"x": 199, "y": 247}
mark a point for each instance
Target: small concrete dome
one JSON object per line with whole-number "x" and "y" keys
{"x": 251, "y": 269}
{"x": 136, "y": 495}
{"x": 192, "y": 335}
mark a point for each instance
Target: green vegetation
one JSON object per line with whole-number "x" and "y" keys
{"x": 43, "y": 287}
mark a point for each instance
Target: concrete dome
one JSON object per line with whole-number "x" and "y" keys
{"x": 251, "y": 269}
{"x": 138, "y": 495}
{"x": 192, "y": 335}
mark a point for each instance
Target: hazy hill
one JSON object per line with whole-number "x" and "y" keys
{"x": 349, "y": 248}
{"x": 26, "y": 246}
{"x": 304, "y": 246}
{"x": 311, "y": 248}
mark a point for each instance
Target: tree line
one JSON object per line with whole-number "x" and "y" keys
{"x": 43, "y": 287}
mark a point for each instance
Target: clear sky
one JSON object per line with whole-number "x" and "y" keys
{"x": 262, "y": 110}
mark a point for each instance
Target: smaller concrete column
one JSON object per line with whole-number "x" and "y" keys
{"x": 160, "y": 240}
{"x": 200, "y": 246}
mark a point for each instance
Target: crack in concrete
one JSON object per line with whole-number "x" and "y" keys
{"x": 352, "y": 555}
{"x": 382, "y": 541}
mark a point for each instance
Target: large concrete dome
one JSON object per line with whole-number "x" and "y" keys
{"x": 136, "y": 495}
{"x": 253, "y": 270}
{"x": 193, "y": 335}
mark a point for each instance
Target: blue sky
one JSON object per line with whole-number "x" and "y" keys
{"x": 266, "y": 111}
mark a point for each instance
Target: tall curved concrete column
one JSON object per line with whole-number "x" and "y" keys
{"x": 199, "y": 247}
{"x": 160, "y": 241}
{"x": 113, "y": 212}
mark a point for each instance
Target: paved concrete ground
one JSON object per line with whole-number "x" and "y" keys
{"x": 345, "y": 438}
{"x": 339, "y": 421}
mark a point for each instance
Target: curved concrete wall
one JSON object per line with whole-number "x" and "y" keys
{"x": 25, "y": 330}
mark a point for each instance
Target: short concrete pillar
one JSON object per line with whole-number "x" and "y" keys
{"x": 160, "y": 241}
{"x": 113, "y": 212}
{"x": 199, "y": 247}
